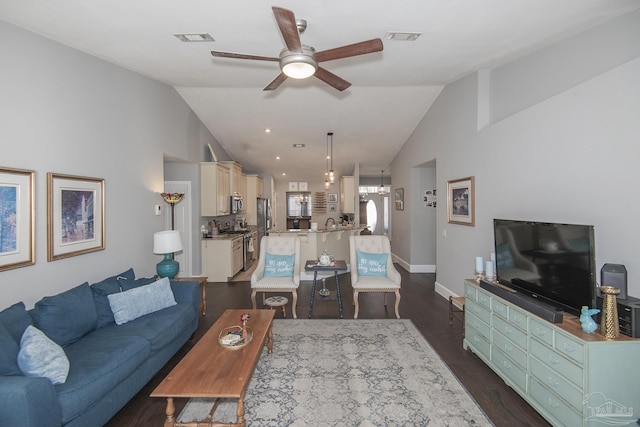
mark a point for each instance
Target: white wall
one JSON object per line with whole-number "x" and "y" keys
{"x": 67, "y": 112}
{"x": 568, "y": 157}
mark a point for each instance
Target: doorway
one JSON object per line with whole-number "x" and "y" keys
{"x": 374, "y": 212}
{"x": 182, "y": 223}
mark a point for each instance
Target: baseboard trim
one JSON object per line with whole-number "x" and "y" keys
{"x": 423, "y": 268}
{"x": 443, "y": 291}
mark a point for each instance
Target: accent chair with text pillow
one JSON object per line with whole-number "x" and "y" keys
{"x": 278, "y": 268}
{"x": 372, "y": 268}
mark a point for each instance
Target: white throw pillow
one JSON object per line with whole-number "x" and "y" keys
{"x": 39, "y": 356}
{"x": 129, "y": 305}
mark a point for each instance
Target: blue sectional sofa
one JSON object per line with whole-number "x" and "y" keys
{"x": 108, "y": 363}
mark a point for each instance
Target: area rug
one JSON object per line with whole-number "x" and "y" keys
{"x": 349, "y": 373}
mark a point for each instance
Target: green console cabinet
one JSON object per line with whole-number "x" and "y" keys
{"x": 570, "y": 377}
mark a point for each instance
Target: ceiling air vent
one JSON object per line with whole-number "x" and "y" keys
{"x": 194, "y": 37}
{"x": 401, "y": 36}
{"x": 298, "y": 145}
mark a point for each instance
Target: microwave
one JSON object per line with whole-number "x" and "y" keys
{"x": 236, "y": 204}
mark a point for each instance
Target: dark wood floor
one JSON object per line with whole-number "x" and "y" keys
{"x": 419, "y": 302}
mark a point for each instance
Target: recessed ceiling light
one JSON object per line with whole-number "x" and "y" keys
{"x": 194, "y": 37}
{"x": 284, "y": 173}
{"x": 277, "y": 157}
{"x": 298, "y": 145}
{"x": 401, "y": 36}
{"x": 267, "y": 130}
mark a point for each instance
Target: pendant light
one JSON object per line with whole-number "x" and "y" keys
{"x": 331, "y": 174}
{"x": 382, "y": 189}
{"x": 327, "y": 183}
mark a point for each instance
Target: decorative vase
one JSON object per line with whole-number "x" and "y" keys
{"x": 588, "y": 324}
{"x": 609, "y": 323}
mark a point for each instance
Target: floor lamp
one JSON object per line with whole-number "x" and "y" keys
{"x": 173, "y": 199}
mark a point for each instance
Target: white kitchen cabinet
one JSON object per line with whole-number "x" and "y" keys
{"x": 236, "y": 181}
{"x": 221, "y": 258}
{"x": 347, "y": 194}
{"x": 214, "y": 189}
{"x": 255, "y": 189}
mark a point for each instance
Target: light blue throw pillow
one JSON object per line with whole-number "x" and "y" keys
{"x": 370, "y": 264}
{"x": 129, "y": 305}
{"x": 278, "y": 265}
{"x": 39, "y": 356}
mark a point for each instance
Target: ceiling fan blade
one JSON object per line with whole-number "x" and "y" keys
{"x": 242, "y": 56}
{"x": 369, "y": 46}
{"x": 276, "y": 82}
{"x": 331, "y": 79}
{"x": 287, "y": 24}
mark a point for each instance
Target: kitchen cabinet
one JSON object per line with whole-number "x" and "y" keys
{"x": 221, "y": 257}
{"x": 255, "y": 189}
{"x": 237, "y": 186}
{"x": 347, "y": 194}
{"x": 214, "y": 189}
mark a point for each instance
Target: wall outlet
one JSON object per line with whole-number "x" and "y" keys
{"x": 158, "y": 210}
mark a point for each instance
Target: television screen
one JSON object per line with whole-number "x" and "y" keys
{"x": 552, "y": 262}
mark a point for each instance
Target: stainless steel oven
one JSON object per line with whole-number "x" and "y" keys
{"x": 247, "y": 252}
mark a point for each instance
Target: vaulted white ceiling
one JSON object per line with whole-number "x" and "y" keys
{"x": 391, "y": 90}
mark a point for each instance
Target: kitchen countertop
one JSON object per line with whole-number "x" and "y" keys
{"x": 320, "y": 230}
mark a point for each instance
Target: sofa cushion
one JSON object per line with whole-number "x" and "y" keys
{"x": 371, "y": 264}
{"x": 39, "y": 356}
{"x": 99, "y": 362}
{"x": 137, "y": 302}
{"x": 278, "y": 265}
{"x": 16, "y": 319}
{"x": 108, "y": 286}
{"x": 8, "y": 353}
{"x": 160, "y": 328}
{"x": 141, "y": 281}
{"x": 68, "y": 316}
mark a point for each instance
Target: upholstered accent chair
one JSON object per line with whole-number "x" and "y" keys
{"x": 278, "y": 268}
{"x": 372, "y": 269}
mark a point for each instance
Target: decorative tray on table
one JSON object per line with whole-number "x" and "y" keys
{"x": 233, "y": 339}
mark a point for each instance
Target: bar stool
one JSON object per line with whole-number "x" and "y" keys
{"x": 456, "y": 305}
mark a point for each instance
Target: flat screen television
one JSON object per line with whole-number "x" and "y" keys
{"x": 554, "y": 263}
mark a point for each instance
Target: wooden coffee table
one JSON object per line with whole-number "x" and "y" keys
{"x": 212, "y": 371}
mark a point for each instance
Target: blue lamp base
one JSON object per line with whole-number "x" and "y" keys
{"x": 167, "y": 267}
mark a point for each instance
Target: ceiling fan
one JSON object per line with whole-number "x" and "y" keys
{"x": 300, "y": 61}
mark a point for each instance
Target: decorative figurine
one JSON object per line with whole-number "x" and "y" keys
{"x": 588, "y": 324}
{"x": 243, "y": 318}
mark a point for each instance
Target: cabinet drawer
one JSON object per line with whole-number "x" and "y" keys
{"x": 554, "y": 406}
{"x": 511, "y": 332}
{"x": 477, "y": 324}
{"x": 518, "y": 318}
{"x": 499, "y": 308}
{"x": 555, "y": 361}
{"x": 507, "y": 368}
{"x": 570, "y": 347}
{"x": 477, "y": 310}
{"x": 511, "y": 350}
{"x": 478, "y": 341}
{"x": 541, "y": 331}
{"x": 470, "y": 292}
{"x": 556, "y": 383}
{"x": 484, "y": 299}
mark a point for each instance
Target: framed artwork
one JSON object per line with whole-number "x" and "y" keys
{"x": 399, "y": 199}
{"x": 333, "y": 207}
{"x": 75, "y": 215}
{"x": 303, "y": 186}
{"x": 17, "y": 218}
{"x": 461, "y": 201}
{"x": 333, "y": 198}
{"x": 293, "y": 186}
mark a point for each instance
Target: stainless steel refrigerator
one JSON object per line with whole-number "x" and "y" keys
{"x": 264, "y": 219}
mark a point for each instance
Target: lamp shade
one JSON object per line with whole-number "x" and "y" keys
{"x": 166, "y": 242}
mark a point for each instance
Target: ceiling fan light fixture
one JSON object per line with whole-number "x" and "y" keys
{"x": 298, "y": 65}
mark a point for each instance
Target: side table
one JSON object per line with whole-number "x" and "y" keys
{"x": 335, "y": 267}
{"x": 203, "y": 292}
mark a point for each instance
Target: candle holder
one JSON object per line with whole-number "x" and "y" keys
{"x": 479, "y": 276}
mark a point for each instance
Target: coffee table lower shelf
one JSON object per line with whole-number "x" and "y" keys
{"x": 210, "y": 371}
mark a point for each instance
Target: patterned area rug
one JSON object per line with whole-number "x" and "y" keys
{"x": 349, "y": 373}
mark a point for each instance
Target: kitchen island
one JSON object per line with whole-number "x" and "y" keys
{"x": 313, "y": 243}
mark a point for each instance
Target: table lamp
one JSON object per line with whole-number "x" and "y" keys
{"x": 166, "y": 243}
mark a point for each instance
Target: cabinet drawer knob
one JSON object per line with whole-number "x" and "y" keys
{"x": 553, "y": 403}
{"x": 553, "y": 382}
{"x": 553, "y": 360}
{"x": 568, "y": 348}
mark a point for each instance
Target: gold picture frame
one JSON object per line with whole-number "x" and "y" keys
{"x": 17, "y": 218}
{"x": 461, "y": 201}
{"x": 75, "y": 215}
